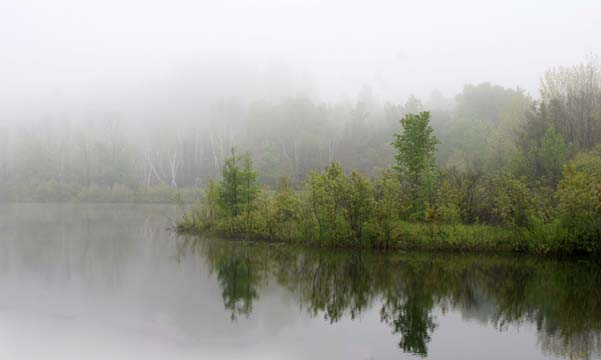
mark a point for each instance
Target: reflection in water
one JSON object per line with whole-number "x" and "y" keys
{"x": 562, "y": 299}
{"x": 238, "y": 278}
{"x": 409, "y": 313}
{"x": 68, "y": 269}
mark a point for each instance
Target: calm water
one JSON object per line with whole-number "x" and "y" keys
{"x": 109, "y": 282}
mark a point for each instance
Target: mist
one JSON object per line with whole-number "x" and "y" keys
{"x": 145, "y": 92}
{"x": 68, "y": 53}
{"x": 271, "y": 178}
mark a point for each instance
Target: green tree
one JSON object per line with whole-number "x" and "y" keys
{"x": 446, "y": 206}
{"x": 326, "y": 195}
{"x": 474, "y": 197}
{"x": 238, "y": 188}
{"x": 513, "y": 201}
{"x": 265, "y": 217}
{"x": 542, "y": 150}
{"x": 229, "y": 192}
{"x": 415, "y": 159}
{"x": 357, "y": 204}
{"x": 212, "y": 201}
{"x": 248, "y": 189}
{"x": 553, "y": 154}
{"x": 482, "y": 131}
{"x": 286, "y": 209}
{"x": 386, "y": 207}
{"x": 580, "y": 201}
{"x": 320, "y": 203}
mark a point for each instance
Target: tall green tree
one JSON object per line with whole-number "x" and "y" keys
{"x": 248, "y": 189}
{"x": 415, "y": 159}
{"x": 229, "y": 187}
{"x": 238, "y": 188}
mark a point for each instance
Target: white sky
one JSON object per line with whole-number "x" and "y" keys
{"x": 67, "y": 47}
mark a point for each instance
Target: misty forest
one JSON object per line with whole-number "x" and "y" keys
{"x": 491, "y": 169}
{"x": 488, "y": 169}
{"x": 300, "y": 179}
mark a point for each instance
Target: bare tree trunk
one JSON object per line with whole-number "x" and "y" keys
{"x": 151, "y": 168}
{"x": 174, "y": 164}
{"x": 214, "y": 151}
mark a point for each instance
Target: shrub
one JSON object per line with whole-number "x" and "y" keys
{"x": 580, "y": 202}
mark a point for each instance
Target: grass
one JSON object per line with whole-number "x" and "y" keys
{"x": 456, "y": 237}
{"x": 406, "y": 235}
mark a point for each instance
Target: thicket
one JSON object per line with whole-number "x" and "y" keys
{"x": 416, "y": 203}
{"x": 498, "y": 172}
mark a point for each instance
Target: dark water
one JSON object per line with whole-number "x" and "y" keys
{"x": 109, "y": 282}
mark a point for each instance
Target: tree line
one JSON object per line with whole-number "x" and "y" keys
{"x": 417, "y": 203}
{"x": 485, "y": 132}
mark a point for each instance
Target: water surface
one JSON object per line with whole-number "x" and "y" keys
{"x": 109, "y": 281}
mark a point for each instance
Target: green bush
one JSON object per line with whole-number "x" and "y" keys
{"x": 580, "y": 202}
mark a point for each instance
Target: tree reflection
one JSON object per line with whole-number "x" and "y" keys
{"x": 408, "y": 310}
{"x": 238, "y": 269}
{"x": 238, "y": 279}
{"x": 563, "y": 299}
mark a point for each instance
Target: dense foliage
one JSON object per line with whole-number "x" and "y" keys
{"x": 531, "y": 184}
{"x": 415, "y": 160}
{"x": 490, "y": 160}
{"x": 416, "y": 205}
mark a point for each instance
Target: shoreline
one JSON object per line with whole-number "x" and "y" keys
{"x": 505, "y": 244}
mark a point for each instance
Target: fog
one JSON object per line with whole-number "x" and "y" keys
{"x": 138, "y": 76}
{"x": 64, "y": 53}
{"x": 129, "y": 127}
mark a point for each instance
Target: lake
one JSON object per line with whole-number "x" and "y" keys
{"x": 106, "y": 281}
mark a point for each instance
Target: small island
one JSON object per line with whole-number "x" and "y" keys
{"x": 415, "y": 204}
